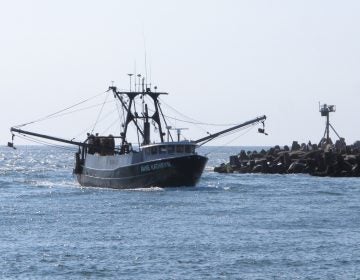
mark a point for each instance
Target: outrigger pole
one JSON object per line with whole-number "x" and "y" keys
{"x": 20, "y": 131}
{"x": 208, "y": 138}
{"x": 76, "y": 143}
{"x": 200, "y": 141}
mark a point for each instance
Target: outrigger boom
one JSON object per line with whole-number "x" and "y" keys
{"x": 210, "y": 137}
{"x": 200, "y": 141}
{"x": 76, "y": 143}
{"x": 20, "y": 131}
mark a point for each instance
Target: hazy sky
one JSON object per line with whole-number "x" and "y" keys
{"x": 221, "y": 62}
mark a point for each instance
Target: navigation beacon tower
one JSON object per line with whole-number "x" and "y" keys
{"x": 325, "y": 111}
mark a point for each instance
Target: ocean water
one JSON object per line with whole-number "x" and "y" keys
{"x": 234, "y": 226}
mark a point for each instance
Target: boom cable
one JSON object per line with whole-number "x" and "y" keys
{"x": 31, "y": 139}
{"x": 102, "y": 107}
{"x": 60, "y": 111}
{"x": 79, "y": 110}
{"x": 89, "y": 127}
{"x": 247, "y": 130}
{"x": 192, "y": 120}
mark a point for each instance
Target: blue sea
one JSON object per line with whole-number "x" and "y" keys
{"x": 230, "y": 226}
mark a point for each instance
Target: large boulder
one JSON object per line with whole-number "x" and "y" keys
{"x": 234, "y": 161}
{"x": 296, "y": 167}
{"x": 357, "y": 145}
{"x": 243, "y": 155}
{"x": 295, "y": 146}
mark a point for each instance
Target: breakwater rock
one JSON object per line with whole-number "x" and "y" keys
{"x": 329, "y": 160}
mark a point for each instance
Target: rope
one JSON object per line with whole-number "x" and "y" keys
{"x": 193, "y": 121}
{"x": 79, "y": 110}
{"x": 89, "y": 127}
{"x": 176, "y": 119}
{"x": 232, "y": 140}
{"x": 110, "y": 126}
{"x": 102, "y": 107}
{"x": 28, "y": 138}
{"x": 60, "y": 111}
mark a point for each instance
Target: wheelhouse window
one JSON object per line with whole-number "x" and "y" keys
{"x": 154, "y": 150}
{"x": 171, "y": 149}
{"x": 163, "y": 149}
{"x": 179, "y": 148}
{"x": 188, "y": 149}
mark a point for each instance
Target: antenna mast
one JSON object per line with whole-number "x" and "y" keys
{"x": 130, "y": 81}
{"x": 325, "y": 111}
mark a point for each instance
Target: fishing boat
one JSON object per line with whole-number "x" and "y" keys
{"x": 167, "y": 162}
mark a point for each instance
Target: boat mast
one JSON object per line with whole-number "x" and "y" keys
{"x": 133, "y": 116}
{"x": 156, "y": 116}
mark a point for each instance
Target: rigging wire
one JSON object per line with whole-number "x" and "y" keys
{"x": 89, "y": 127}
{"x": 230, "y": 132}
{"x": 79, "y": 110}
{"x": 60, "y": 111}
{"x": 31, "y": 139}
{"x": 248, "y": 129}
{"x": 197, "y": 123}
{"x": 180, "y": 120}
{"x": 102, "y": 107}
{"x": 110, "y": 126}
{"x": 194, "y": 121}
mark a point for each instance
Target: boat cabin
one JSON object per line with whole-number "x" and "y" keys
{"x": 168, "y": 149}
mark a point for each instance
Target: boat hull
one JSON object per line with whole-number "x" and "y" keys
{"x": 169, "y": 172}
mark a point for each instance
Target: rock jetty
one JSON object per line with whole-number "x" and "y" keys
{"x": 336, "y": 160}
